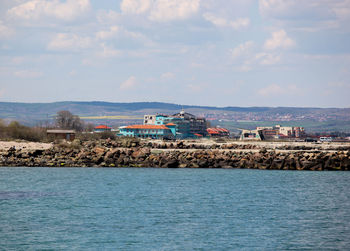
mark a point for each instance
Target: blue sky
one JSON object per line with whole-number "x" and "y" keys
{"x": 200, "y": 52}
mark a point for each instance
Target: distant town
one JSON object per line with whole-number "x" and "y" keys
{"x": 166, "y": 121}
{"x": 254, "y": 116}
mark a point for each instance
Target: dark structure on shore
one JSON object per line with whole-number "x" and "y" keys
{"x": 61, "y": 134}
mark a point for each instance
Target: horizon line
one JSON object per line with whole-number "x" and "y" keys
{"x": 160, "y": 102}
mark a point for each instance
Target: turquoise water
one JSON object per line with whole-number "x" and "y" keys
{"x": 178, "y": 209}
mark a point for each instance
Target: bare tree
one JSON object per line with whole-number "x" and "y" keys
{"x": 66, "y": 120}
{"x": 89, "y": 127}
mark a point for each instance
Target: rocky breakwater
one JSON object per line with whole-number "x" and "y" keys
{"x": 135, "y": 154}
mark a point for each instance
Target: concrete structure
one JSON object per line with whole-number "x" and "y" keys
{"x": 272, "y": 132}
{"x": 148, "y": 131}
{"x": 299, "y": 132}
{"x": 279, "y": 131}
{"x": 102, "y": 128}
{"x": 197, "y": 125}
{"x": 251, "y": 135}
{"x": 61, "y": 134}
{"x": 149, "y": 120}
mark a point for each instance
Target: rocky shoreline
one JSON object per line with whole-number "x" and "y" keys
{"x": 133, "y": 153}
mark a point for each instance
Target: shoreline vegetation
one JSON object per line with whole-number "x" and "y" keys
{"x": 132, "y": 152}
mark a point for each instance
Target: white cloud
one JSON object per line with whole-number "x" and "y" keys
{"x": 135, "y": 6}
{"x": 267, "y": 58}
{"x": 271, "y": 90}
{"x": 222, "y": 22}
{"x": 108, "y": 52}
{"x": 279, "y": 39}
{"x": 107, "y": 17}
{"x": 218, "y": 21}
{"x": 28, "y": 74}
{"x": 113, "y": 30}
{"x": 37, "y": 9}
{"x": 73, "y": 73}
{"x": 245, "y": 67}
{"x": 239, "y": 23}
{"x": 161, "y": 10}
{"x": 311, "y": 9}
{"x": 167, "y": 10}
{"x": 276, "y": 7}
{"x": 311, "y": 15}
{"x": 5, "y": 31}
{"x": 167, "y": 76}
{"x": 275, "y": 90}
{"x": 118, "y": 33}
{"x": 69, "y": 42}
{"x": 339, "y": 84}
{"x": 342, "y": 9}
{"x": 196, "y": 65}
{"x": 17, "y": 60}
{"x": 247, "y": 53}
{"x": 130, "y": 83}
{"x": 242, "y": 49}
{"x": 194, "y": 87}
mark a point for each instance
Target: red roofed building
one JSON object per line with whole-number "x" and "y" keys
{"x": 102, "y": 128}
{"x": 218, "y": 132}
{"x": 146, "y": 127}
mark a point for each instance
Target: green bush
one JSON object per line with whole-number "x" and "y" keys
{"x": 96, "y": 136}
{"x": 107, "y": 135}
{"x": 16, "y": 131}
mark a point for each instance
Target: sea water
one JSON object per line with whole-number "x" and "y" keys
{"x": 173, "y": 209}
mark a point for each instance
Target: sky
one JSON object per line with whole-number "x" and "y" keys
{"x": 193, "y": 52}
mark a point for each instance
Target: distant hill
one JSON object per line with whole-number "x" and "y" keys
{"x": 32, "y": 113}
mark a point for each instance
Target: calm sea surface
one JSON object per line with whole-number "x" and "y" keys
{"x": 181, "y": 209}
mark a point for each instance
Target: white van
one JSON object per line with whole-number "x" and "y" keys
{"x": 326, "y": 139}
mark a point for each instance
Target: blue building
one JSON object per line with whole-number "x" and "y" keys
{"x": 149, "y": 131}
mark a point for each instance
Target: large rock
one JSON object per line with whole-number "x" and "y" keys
{"x": 141, "y": 153}
{"x": 172, "y": 163}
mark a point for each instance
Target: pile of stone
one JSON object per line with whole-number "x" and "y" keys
{"x": 131, "y": 154}
{"x": 182, "y": 145}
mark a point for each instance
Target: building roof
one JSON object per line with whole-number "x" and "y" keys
{"x": 217, "y": 130}
{"x": 162, "y": 115}
{"x": 212, "y": 131}
{"x": 185, "y": 115}
{"x": 60, "y": 131}
{"x": 146, "y": 127}
{"x": 103, "y": 127}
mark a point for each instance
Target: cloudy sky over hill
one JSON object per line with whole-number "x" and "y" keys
{"x": 203, "y": 52}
